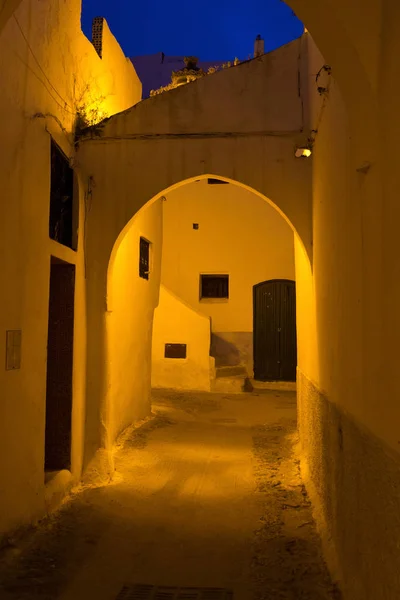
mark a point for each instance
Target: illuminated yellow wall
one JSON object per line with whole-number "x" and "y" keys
{"x": 175, "y": 322}
{"x": 307, "y": 348}
{"x": 131, "y": 303}
{"x": 348, "y": 386}
{"x": 239, "y": 234}
{"x": 32, "y": 109}
{"x": 144, "y": 152}
{"x": 149, "y": 152}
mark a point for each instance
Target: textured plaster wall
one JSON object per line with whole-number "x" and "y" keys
{"x": 349, "y": 36}
{"x": 188, "y": 131}
{"x": 354, "y": 480}
{"x": 239, "y": 234}
{"x": 131, "y": 304}
{"x": 348, "y": 382}
{"x": 7, "y": 7}
{"x": 32, "y": 109}
{"x": 175, "y": 322}
{"x": 307, "y": 346}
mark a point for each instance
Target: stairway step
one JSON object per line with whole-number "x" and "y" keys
{"x": 285, "y": 386}
{"x": 231, "y": 371}
{"x": 229, "y": 385}
{"x": 232, "y": 385}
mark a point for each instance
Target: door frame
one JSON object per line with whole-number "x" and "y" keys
{"x": 65, "y": 463}
{"x": 257, "y": 285}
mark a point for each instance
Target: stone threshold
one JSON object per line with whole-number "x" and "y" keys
{"x": 286, "y": 386}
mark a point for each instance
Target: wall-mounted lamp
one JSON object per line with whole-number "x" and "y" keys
{"x": 303, "y": 152}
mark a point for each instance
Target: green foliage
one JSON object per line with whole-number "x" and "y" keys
{"x": 190, "y": 73}
{"x": 89, "y": 112}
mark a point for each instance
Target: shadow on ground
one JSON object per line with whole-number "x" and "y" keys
{"x": 207, "y": 493}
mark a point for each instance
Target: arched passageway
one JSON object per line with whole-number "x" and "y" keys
{"x": 243, "y": 234}
{"x": 166, "y": 140}
{"x": 349, "y": 233}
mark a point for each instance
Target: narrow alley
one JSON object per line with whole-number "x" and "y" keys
{"x": 207, "y": 493}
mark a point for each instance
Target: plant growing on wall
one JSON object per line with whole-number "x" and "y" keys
{"x": 89, "y": 112}
{"x": 190, "y": 73}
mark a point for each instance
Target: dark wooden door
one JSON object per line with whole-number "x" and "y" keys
{"x": 274, "y": 330}
{"x": 59, "y": 366}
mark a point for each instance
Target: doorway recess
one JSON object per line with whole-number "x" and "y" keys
{"x": 59, "y": 366}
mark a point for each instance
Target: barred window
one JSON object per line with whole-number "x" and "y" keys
{"x": 214, "y": 286}
{"x": 61, "y": 198}
{"x": 144, "y": 258}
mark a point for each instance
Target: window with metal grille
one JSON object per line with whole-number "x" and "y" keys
{"x": 61, "y": 198}
{"x": 214, "y": 286}
{"x": 144, "y": 258}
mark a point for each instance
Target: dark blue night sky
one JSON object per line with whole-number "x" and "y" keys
{"x": 210, "y": 29}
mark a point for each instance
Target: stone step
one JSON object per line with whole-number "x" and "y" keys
{"x": 284, "y": 386}
{"x": 229, "y": 385}
{"x": 231, "y": 371}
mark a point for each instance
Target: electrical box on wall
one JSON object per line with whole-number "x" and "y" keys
{"x": 175, "y": 351}
{"x": 13, "y": 349}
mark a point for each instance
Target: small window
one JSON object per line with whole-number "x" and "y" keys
{"x": 61, "y": 198}
{"x": 144, "y": 258}
{"x": 175, "y": 351}
{"x": 214, "y": 286}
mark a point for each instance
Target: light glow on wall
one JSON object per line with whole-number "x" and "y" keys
{"x": 303, "y": 152}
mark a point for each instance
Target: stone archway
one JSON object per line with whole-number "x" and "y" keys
{"x": 352, "y": 233}
{"x": 228, "y": 124}
{"x": 122, "y": 290}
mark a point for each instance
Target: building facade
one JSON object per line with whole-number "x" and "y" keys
{"x": 215, "y": 229}
{"x": 54, "y": 82}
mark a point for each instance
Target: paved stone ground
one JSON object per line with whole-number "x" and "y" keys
{"x": 206, "y": 493}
